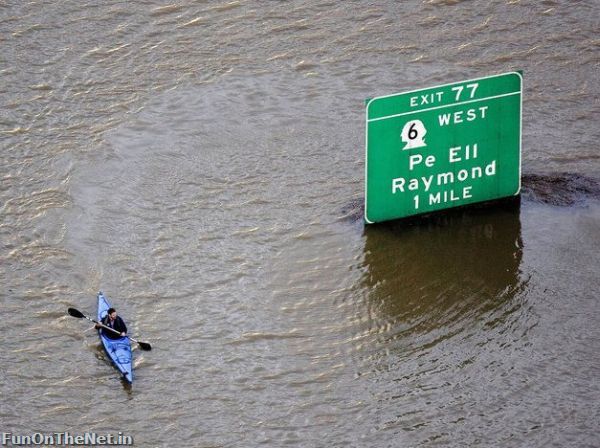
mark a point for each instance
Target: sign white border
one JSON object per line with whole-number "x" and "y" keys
{"x": 367, "y": 121}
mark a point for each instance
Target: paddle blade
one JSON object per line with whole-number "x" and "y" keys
{"x": 75, "y": 313}
{"x": 145, "y": 346}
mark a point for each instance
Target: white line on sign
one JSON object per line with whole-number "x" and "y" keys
{"x": 446, "y": 105}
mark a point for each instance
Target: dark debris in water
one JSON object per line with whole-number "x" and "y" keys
{"x": 559, "y": 189}
{"x": 354, "y": 210}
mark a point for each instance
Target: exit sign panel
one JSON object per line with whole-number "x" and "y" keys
{"x": 443, "y": 147}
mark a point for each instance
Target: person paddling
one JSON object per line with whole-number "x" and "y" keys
{"x": 115, "y": 322}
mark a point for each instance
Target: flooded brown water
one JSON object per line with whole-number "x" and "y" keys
{"x": 202, "y": 164}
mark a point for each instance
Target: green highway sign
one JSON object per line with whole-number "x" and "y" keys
{"x": 442, "y": 147}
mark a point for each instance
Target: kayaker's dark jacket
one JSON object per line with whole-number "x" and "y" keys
{"x": 117, "y": 324}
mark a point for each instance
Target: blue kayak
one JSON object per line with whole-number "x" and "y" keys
{"x": 118, "y": 350}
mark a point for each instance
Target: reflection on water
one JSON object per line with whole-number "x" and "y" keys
{"x": 448, "y": 303}
{"x": 434, "y": 272}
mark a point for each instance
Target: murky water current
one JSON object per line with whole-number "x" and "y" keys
{"x": 202, "y": 163}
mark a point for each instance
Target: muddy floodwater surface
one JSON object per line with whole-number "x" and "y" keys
{"x": 202, "y": 163}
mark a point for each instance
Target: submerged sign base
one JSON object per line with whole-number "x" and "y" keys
{"x": 442, "y": 147}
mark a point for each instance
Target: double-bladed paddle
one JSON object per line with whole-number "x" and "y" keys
{"x": 78, "y": 314}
